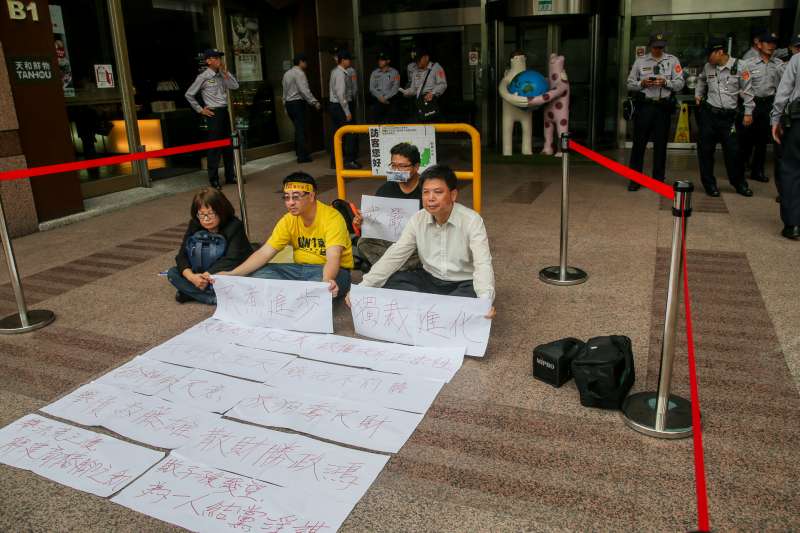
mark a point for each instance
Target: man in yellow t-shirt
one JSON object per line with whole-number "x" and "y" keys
{"x": 318, "y": 234}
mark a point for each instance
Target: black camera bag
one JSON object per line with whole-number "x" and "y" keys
{"x": 603, "y": 371}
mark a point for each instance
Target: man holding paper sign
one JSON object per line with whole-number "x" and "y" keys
{"x": 451, "y": 241}
{"x": 318, "y": 234}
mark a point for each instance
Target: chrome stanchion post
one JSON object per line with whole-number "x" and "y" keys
{"x": 237, "y": 161}
{"x": 563, "y": 274}
{"x": 24, "y": 320}
{"x": 661, "y": 414}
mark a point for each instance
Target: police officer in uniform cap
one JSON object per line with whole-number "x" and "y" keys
{"x": 384, "y": 84}
{"x": 341, "y": 95}
{"x": 720, "y": 84}
{"x": 785, "y": 120}
{"x": 794, "y": 44}
{"x": 296, "y": 94}
{"x": 212, "y": 84}
{"x": 765, "y": 74}
{"x": 655, "y": 78}
{"x": 755, "y": 38}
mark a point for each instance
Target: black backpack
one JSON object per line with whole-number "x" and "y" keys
{"x": 603, "y": 371}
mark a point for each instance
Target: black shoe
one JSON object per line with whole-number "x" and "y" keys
{"x": 216, "y": 185}
{"x": 713, "y": 192}
{"x": 762, "y": 178}
{"x": 304, "y": 160}
{"x": 182, "y": 298}
{"x": 744, "y": 190}
{"x": 352, "y": 165}
{"x": 633, "y": 186}
{"x": 791, "y": 232}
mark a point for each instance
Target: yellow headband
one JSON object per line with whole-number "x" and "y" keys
{"x": 298, "y": 186}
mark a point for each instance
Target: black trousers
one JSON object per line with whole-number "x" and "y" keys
{"x": 753, "y": 139}
{"x": 718, "y": 128}
{"x": 384, "y": 113}
{"x": 350, "y": 142}
{"x": 219, "y": 127}
{"x": 790, "y": 175}
{"x": 296, "y": 109}
{"x": 651, "y": 122}
{"x": 420, "y": 280}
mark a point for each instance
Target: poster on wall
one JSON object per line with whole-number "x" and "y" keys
{"x": 246, "y": 48}
{"x": 62, "y": 54}
{"x": 104, "y": 76}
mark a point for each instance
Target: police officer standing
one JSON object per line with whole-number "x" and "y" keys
{"x": 295, "y": 96}
{"x": 655, "y": 78}
{"x": 384, "y": 84}
{"x": 720, "y": 84}
{"x": 753, "y": 51}
{"x": 341, "y": 94}
{"x": 429, "y": 82}
{"x": 786, "y": 131}
{"x": 213, "y": 84}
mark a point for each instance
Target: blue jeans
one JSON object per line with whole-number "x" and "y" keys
{"x": 186, "y": 287}
{"x": 298, "y": 272}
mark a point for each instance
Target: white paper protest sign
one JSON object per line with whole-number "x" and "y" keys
{"x": 394, "y": 391}
{"x": 286, "y": 459}
{"x": 209, "y": 391}
{"x": 141, "y": 418}
{"x": 383, "y": 138}
{"x": 358, "y": 424}
{"x": 197, "y": 497}
{"x": 217, "y": 356}
{"x": 219, "y": 331}
{"x": 439, "y": 363}
{"x": 421, "y": 319}
{"x": 74, "y": 457}
{"x": 143, "y": 375}
{"x": 294, "y": 305}
{"x": 385, "y": 218}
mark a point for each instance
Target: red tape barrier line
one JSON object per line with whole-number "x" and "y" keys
{"x": 114, "y": 160}
{"x": 657, "y": 186}
{"x": 697, "y": 429}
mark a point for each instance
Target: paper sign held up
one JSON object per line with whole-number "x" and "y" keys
{"x": 385, "y": 218}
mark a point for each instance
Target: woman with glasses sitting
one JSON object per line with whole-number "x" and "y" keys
{"x": 215, "y": 241}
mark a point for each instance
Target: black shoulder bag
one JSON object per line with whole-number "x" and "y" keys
{"x": 427, "y": 111}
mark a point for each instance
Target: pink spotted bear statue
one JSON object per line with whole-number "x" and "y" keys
{"x": 556, "y": 102}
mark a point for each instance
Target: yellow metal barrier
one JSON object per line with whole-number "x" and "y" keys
{"x": 474, "y": 175}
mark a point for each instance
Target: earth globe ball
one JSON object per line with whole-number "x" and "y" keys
{"x": 529, "y": 84}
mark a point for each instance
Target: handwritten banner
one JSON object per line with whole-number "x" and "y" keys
{"x": 357, "y": 424}
{"x": 393, "y": 391}
{"x": 141, "y": 418}
{"x": 294, "y": 305}
{"x": 421, "y": 319}
{"x": 209, "y": 391}
{"x": 439, "y": 363}
{"x": 385, "y": 218}
{"x": 197, "y": 497}
{"x": 144, "y": 376}
{"x": 72, "y": 456}
{"x": 275, "y": 340}
{"x": 286, "y": 459}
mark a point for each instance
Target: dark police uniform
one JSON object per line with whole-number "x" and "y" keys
{"x": 787, "y": 106}
{"x": 720, "y": 88}
{"x": 654, "y": 106}
{"x": 765, "y": 76}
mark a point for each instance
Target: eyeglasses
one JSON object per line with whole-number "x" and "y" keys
{"x": 395, "y": 166}
{"x": 294, "y": 197}
{"x": 211, "y": 215}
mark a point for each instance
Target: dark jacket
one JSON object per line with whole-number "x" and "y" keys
{"x": 237, "y": 250}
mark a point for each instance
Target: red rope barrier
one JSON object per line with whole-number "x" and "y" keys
{"x": 657, "y": 186}
{"x": 697, "y": 429}
{"x": 113, "y": 160}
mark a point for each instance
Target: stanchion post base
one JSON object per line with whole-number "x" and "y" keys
{"x": 552, "y": 275}
{"x": 38, "y": 318}
{"x": 639, "y": 414}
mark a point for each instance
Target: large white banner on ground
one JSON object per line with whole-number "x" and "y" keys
{"x": 439, "y": 363}
{"x": 358, "y": 424}
{"x": 209, "y": 391}
{"x": 383, "y": 138}
{"x": 286, "y": 459}
{"x": 143, "y": 375}
{"x": 193, "y": 495}
{"x": 421, "y": 319}
{"x": 371, "y": 387}
{"x": 74, "y": 457}
{"x": 294, "y": 305}
{"x": 141, "y": 418}
{"x": 385, "y": 218}
{"x": 276, "y": 340}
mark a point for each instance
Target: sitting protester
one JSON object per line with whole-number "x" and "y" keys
{"x": 215, "y": 241}
{"x": 451, "y": 241}
{"x": 403, "y": 183}
{"x": 318, "y": 234}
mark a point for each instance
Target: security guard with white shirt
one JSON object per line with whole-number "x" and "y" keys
{"x": 655, "y": 78}
{"x": 341, "y": 94}
{"x": 785, "y": 120}
{"x": 384, "y": 84}
{"x": 212, "y": 84}
{"x": 765, "y": 75}
{"x": 296, "y": 94}
{"x": 721, "y": 83}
